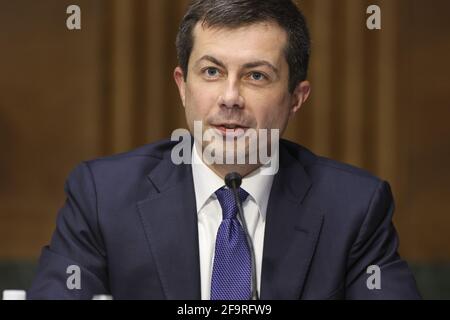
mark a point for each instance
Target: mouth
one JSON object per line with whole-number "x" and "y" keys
{"x": 230, "y": 128}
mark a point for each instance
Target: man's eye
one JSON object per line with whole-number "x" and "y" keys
{"x": 211, "y": 72}
{"x": 258, "y": 76}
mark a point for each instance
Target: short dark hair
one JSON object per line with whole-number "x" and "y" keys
{"x": 237, "y": 13}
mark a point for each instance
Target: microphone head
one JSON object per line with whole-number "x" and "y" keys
{"x": 233, "y": 180}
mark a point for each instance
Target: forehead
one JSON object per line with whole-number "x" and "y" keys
{"x": 258, "y": 41}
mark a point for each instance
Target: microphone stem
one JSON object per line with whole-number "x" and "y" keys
{"x": 249, "y": 242}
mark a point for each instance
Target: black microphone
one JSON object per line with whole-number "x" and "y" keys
{"x": 233, "y": 181}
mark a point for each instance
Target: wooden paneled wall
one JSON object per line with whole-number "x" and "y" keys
{"x": 380, "y": 100}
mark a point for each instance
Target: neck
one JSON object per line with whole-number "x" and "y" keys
{"x": 243, "y": 170}
{"x": 223, "y": 169}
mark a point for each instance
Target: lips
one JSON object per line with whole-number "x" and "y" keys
{"x": 229, "y": 127}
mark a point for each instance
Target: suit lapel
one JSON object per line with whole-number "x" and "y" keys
{"x": 169, "y": 217}
{"x": 291, "y": 234}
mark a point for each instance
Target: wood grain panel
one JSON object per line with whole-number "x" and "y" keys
{"x": 380, "y": 100}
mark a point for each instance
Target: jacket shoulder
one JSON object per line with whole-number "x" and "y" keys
{"x": 156, "y": 150}
{"x": 127, "y": 168}
{"x": 146, "y": 155}
{"x": 317, "y": 165}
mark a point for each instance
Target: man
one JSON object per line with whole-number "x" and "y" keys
{"x": 140, "y": 226}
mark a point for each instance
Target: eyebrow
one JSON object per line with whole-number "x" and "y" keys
{"x": 248, "y": 65}
{"x": 211, "y": 59}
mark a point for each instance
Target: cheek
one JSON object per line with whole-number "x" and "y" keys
{"x": 271, "y": 111}
{"x": 199, "y": 102}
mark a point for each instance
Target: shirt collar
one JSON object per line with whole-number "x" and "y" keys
{"x": 207, "y": 182}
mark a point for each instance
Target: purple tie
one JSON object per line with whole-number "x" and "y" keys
{"x": 232, "y": 270}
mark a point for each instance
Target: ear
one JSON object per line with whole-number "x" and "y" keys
{"x": 299, "y": 96}
{"x": 178, "y": 75}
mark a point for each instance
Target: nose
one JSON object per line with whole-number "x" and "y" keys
{"x": 231, "y": 97}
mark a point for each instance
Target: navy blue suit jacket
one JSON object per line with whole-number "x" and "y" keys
{"x": 130, "y": 224}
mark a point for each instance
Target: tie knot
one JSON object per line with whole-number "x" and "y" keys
{"x": 228, "y": 203}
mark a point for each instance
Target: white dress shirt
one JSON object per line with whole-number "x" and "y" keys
{"x": 209, "y": 211}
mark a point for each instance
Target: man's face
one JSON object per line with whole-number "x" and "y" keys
{"x": 239, "y": 79}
